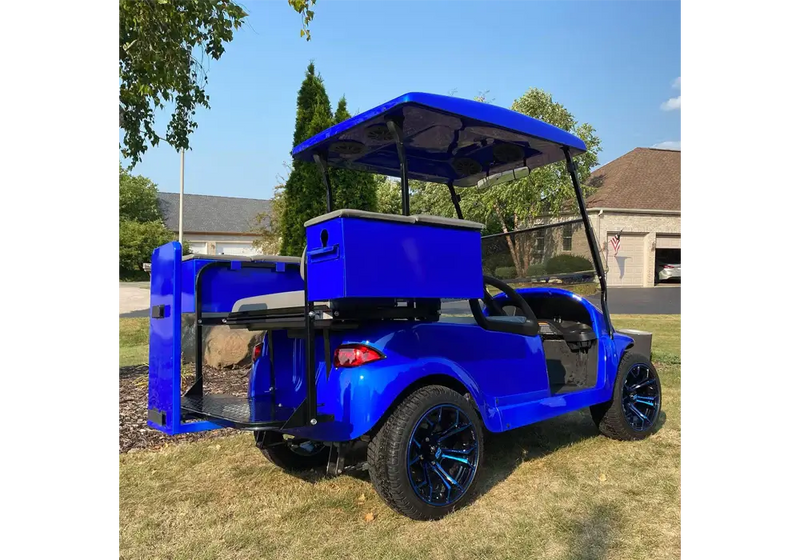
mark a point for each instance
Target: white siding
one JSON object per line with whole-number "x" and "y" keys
{"x": 198, "y": 248}
{"x": 236, "y": 249}
{"x": 668, "y": 241}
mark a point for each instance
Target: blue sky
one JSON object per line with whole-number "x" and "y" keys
{"x": 612, "y": 64}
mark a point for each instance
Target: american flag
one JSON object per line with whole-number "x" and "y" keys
{"x": 615, "y": 243}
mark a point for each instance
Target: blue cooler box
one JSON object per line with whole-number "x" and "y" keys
{"x": 358, "y": 254}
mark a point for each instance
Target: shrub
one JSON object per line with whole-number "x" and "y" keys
{"x": 136, "y": 243}
{"x": 537, "y": 269}
{"x": 505, "y": 272}
{"x": 494, "y": 260}
{"x": 562, "y": 264}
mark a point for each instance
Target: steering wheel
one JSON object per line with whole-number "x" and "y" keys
{"x": 494, "y": 309}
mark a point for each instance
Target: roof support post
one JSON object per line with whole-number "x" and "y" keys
{"x": 326, "y": 179}
{"x": 598, "y": 262}
{"x": 456, "y": 200}
{"x": 396, "y": 128}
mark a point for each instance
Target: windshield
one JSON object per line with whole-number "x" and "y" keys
{"x": 555, "y": 254}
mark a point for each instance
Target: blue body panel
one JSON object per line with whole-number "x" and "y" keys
{"x": 440, "y": 134}
{"x": 506, "y": 374}
{"x": 371, "y": 258}
{"x": 164, "y": 377}
{"x": 222, "y": 287}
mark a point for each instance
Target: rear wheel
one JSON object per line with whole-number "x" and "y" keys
{"x": 291, "y": 454}
{"x": 632, "y": 412}
{"x": 425, "y": 459}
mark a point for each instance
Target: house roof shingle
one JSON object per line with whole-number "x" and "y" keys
{"x": 218, "y": 214}
{"x": 644, "y": 178}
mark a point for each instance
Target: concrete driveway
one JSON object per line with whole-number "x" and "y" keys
{"x": 134, "y": 299}
{"x": 662, "y": 300}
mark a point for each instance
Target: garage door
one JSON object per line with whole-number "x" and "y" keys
{"x": 627, "y": 267}
{"x": 236, "y": 249}
{"x": 668, "y": 241}
{"x": 197, "y": 247}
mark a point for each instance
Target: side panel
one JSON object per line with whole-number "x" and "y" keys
{"x": 505, "y": 374}
{"x": 499, "y": 370}
{"x": 164, "y": 390}
{"x": 164, "y": 352}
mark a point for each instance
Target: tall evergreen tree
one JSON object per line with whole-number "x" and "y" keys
{"x": 305, "y": 191}
{"x": 352, "y": 189}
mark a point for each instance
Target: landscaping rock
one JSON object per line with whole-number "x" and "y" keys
{"x": 223, "y": 347}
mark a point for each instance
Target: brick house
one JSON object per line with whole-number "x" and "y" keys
{"x": 640, "y": 196}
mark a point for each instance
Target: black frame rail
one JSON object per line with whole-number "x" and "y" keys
{"x": 307, "y": 412}
{"x": 598, "y": 262}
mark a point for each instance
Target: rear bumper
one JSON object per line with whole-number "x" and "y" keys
{"x": 668, "y": 274}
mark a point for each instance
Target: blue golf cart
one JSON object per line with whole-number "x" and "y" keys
{"x": 355, "y": 349}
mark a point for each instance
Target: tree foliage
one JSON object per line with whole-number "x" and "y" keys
{"x": 305, "y": 191}
{"x": 141, "y": 228}
{"x": 138, "y": 198}
{"x": 388, "y": 196}
{"x": 164, "y": 50}
{"x": 137, "y": 240}
{"x": 305, "y": 194}
{"x": 548, "y": 190}
{"x": 352, "y": 189}
{"x": 268, "y": 225}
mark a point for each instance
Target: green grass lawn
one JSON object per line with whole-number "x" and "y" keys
{"x": 133, "y": 337}
{"x": 553, "y": 490}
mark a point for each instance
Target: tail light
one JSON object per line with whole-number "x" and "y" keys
{"x": 354, "y": 355}
{"x": 668, "y": 266}
{"x": 258, "y": 349}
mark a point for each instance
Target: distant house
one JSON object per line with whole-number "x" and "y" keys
{"x": 214, "y": 225}
{"x": 638, "y": 196}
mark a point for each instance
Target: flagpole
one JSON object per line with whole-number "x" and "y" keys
{"x": 180, "y": 205}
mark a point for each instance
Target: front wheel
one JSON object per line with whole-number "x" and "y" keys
{"x": 425, "y": 459}
{"x": 632, "y": 412}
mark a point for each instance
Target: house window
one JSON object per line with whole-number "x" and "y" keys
{"x": 566, "y": 238}
{"x": 538, "y": 241}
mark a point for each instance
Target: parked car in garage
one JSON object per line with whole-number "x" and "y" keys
{"x": 668, "y": 271}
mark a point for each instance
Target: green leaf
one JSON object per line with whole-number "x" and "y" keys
{"x": 156, "y": 42}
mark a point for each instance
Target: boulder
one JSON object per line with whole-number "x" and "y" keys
{"x": 223, "y": 347}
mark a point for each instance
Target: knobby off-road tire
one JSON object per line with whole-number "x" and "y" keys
{"x": 615, "y": 419}
{"x": 393, "y": 458}
{"x": 289, "y": 456}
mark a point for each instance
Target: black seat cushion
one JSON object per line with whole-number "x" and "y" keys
{"x": 573, "y": 331}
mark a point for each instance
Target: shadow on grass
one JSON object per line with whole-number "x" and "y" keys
{"x": 591, "y": 535}
{"x": 126, "y": 372}
{"x": 504, "y": 452}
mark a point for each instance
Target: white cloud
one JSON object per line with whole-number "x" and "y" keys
{"x": 672, "y": 104}
{"x": 668, "y": 145}
{"x": 677, "y": 83}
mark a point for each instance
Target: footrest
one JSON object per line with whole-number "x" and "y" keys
{"x": 237, "y": 412}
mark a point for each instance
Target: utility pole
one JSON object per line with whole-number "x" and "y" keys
{"x": 180, "y": 205}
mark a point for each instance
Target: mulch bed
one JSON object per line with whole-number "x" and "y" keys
{"x": 134, "y": 433}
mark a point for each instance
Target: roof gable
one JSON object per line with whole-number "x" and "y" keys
{"x": 218, "y": 214}
{"x": 645, "y": 178}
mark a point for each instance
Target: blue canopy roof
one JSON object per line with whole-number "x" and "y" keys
{"x": 446, "y": 139}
